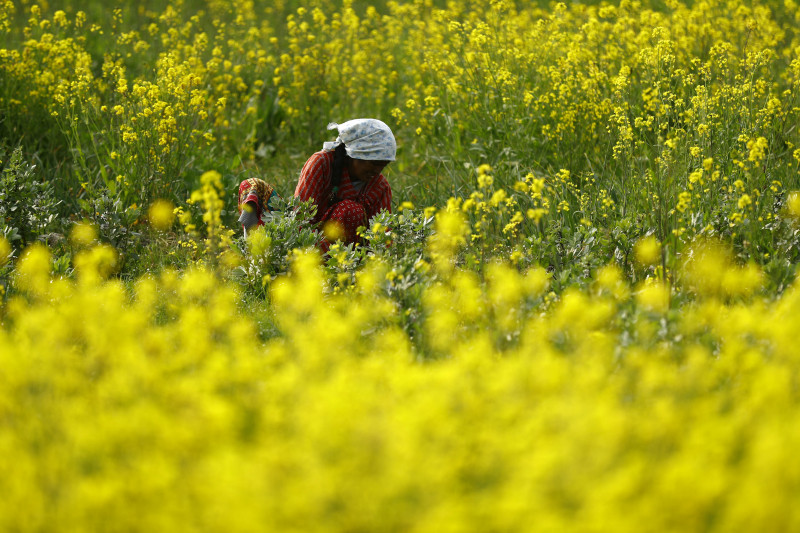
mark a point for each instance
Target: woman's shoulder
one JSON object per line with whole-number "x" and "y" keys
{"x": 325, "y": 156}
{"x": 319, "y": 161}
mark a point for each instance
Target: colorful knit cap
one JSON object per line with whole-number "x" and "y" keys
{"x": 257, "y": 191}
{"x": 364, "y": 138}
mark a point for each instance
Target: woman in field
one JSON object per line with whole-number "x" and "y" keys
{"x": 344, "y": 179}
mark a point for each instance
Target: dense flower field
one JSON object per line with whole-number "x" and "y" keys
{"x": 581, "y": 314}
{"x": 162, "y": 410}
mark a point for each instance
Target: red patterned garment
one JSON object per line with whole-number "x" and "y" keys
{"x": 351, "y": 207}
{"x": 257, "y": 193}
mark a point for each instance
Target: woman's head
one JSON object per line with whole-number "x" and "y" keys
{"x": 364, "y": 146}
{"x": 365, "y": 169}
{"x": 365, "y": 139}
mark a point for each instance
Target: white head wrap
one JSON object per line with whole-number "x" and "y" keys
{"x": 364, "y": 138}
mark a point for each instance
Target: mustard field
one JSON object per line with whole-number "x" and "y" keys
{"x": 580, "y": 315}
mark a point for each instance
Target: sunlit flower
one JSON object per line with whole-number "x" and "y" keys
{"x": 83, "y": 234}
{"x": 648, "y": 251}
{"x": 161, "y": 214}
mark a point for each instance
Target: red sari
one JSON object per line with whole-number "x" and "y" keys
{"x": 352, "y": 207}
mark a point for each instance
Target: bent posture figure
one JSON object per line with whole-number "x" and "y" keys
{"x": 344, "y": 179}
{"x": 254, "y": 202}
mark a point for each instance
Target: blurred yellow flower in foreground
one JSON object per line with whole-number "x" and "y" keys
{"x": 5, "y": 250}
{"x": 653, "y": 296}
{"x": 33, "y": 269}
{"x": 83, "y": 234}
{"x": 333, "y": 231}
{"x": 161, "y": 214}
{"x": 648, "y": 251}
{"x": 793, "y": 204}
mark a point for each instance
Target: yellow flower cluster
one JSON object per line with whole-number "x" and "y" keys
{"x": 208, "y": 198}
{"x": 162, "y": 409}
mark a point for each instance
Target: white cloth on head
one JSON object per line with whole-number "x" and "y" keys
{"x": 364, "y": 138}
